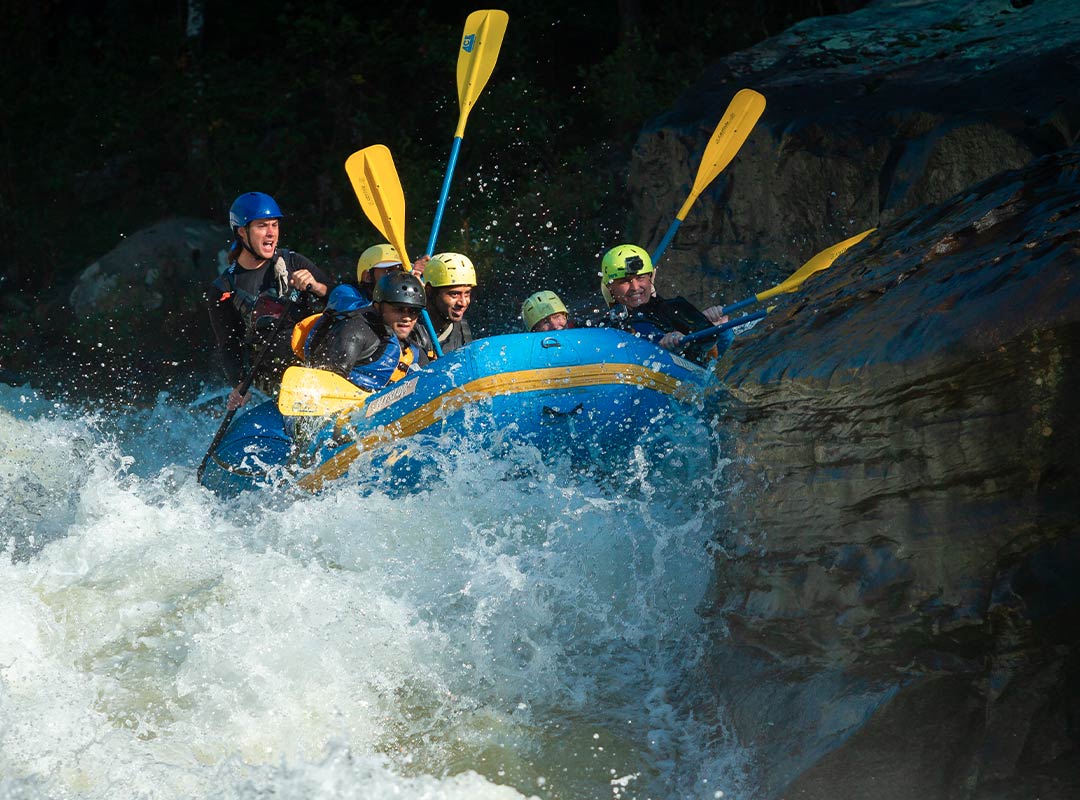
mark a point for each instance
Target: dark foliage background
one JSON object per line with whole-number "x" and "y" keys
{"x": 120, "y": 113}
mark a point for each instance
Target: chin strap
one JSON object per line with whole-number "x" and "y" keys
{"x": 240, "y": 244}
{"x": 280, "y": 269}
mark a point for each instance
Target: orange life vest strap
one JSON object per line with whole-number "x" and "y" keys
{"x": 300, "y": 332}
{"x": 403, "y": 365}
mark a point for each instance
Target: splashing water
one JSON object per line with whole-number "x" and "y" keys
{"x": 515, "y": 629}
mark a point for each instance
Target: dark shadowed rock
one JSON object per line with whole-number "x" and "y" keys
{"x": 896, "y": 611}
{"x": 870, "y": 115}
{"x": 897, "y": 598}
{"x": 135, "y": 322}
{"x": 146, "y": 271}
{"x": 896, "y": 607}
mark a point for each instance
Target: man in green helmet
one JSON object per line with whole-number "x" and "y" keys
{"x": 449, "y": 279}
{"x": 627, "y": 278}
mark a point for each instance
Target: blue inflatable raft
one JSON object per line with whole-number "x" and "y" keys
{"x": 583, "y": 391}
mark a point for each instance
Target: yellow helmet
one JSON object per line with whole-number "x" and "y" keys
{"x": 378, "y": 255}
{"x": 449, "y": 269}
{"x": 539, "y": 307}
{"x": 623, "y": 260}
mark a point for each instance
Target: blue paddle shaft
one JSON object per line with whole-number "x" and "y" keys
{"x": 739, "y": 306}
{"x": 431, "y": 330}
{"x": 660, "y": 248}
{"x": 708, "y": 333}
{"x": 443, "y": 194}
{"x": 454, "y": 150}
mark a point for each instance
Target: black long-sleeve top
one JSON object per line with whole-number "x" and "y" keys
{"x": 244, "y": 306}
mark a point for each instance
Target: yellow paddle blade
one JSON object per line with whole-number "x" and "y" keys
{"x": 375, "y": 180}
{"x": 309, "y": 392}
{"x": 822, "y": 260}
{"x": 480, "y": 45}
{"x": 742, "y": 114}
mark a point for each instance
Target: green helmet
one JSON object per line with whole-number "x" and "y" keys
{"x": 606, "y": 294}
{"x": 623, "y": 260}
{"x": 400, "y": 288}
{"x": 378, "y": 255}
{"x": 449, "y": 269}
{"x": 539, "y": 307}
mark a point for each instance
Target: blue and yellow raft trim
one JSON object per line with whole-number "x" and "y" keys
{"x": 583, "y": 388}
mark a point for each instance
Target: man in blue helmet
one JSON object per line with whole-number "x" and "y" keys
{"x": 248, "y": 298}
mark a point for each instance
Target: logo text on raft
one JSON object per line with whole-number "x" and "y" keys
{"x": 391, "y": 397}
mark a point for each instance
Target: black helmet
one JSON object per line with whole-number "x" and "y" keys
{"x": 401, "y": 288}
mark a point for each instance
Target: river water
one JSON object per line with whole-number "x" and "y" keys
{"x": 517, "y": 628}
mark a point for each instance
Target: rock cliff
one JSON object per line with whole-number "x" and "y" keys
{"x": 870, "y": 115}
{"x": 896, "y": 610}
{"x": 897, "y": 597}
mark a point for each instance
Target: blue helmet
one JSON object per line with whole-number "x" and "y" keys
{"x": 251, "y": 206}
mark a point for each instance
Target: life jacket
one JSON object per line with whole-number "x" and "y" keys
{"x": 343, "y": 299}
{"x": 454, "y": 335}
{"x": 262, "y": 309}
{"x": 346, "y": 297}
{"x": 661, "y": 316}
{"x": 391, "y": 364}
{"x": 301, "y": 332}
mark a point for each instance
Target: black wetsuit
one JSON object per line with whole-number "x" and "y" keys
{"x": 244, "y": 308}
{"x": 661, "y": 316}
{"x": 452, "y": 335}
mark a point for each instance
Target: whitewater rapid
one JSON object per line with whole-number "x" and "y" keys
{"x": 518, "y": 629}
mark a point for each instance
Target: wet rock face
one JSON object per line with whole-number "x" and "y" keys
{"x": 897, "y": 600}
{"x": 896, "y": 611}
{"x": 870, "y": 115}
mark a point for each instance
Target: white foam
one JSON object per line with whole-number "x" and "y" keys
{"x": 491, "y": 636}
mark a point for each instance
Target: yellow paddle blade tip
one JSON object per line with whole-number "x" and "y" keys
{"x": 480, "y": 44}
{"x": 375, "y": 181}
{"x": 307, "y": 392}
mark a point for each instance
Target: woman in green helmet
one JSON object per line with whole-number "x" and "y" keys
{"x": 544, "y": 311}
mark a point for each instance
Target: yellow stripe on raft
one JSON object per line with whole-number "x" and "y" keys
{"x": 529, "y": 380}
